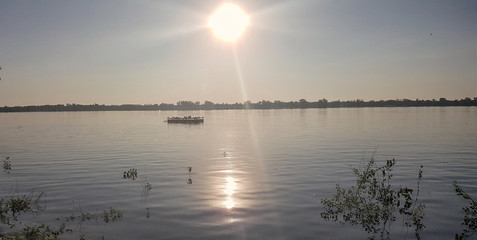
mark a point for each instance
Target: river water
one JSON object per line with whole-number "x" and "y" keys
{"x": 255, "y": 174}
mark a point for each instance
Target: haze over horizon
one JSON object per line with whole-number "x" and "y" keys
{"x": 148, "y": 52}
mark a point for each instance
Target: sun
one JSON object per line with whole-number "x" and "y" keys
{"x": 228, "y": 22}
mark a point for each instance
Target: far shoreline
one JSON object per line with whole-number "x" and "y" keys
{"x": 207, "y": 105}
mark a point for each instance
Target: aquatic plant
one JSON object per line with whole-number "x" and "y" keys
{"x": 106, "y": 215}
{"x": 7, "y": 165}
{"x": 10, "y": 210}
{"x": 43, "y": 231}
{"x": 130, "y": 174}
{"x": 111, "y": 215}
{"x": 36, "y": 232}
{"x": 189, "y": 180}
{"x": 12, "y": 207}
{"x": 374, "y": 203}
{"x": 470, "y": 214}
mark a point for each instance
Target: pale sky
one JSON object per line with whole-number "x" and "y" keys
{"x": 158, "y": 51}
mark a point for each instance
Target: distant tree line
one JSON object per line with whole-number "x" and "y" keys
{"x": 264, "y": 104}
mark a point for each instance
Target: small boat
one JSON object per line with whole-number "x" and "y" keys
{"x": 188, "y": 119}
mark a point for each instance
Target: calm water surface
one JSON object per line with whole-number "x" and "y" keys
{"x": 277, "y": 166}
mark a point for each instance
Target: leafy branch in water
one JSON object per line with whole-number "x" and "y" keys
{"x": 374, "y": 203}
{"x": 470, "y": 214}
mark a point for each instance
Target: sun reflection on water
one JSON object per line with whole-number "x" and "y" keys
{"x": 229, "y": 190}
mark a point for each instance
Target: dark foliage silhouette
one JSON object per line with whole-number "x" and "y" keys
{"x": 470, "y": 214}
{"x": 374, "y": 203}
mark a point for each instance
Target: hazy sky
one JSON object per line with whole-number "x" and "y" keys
{"x": 146, "y": 51}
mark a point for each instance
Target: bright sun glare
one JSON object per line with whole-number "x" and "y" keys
{"x": 228, "y": 22}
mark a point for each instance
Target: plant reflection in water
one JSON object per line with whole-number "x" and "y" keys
{"x": 146, "y": 187}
